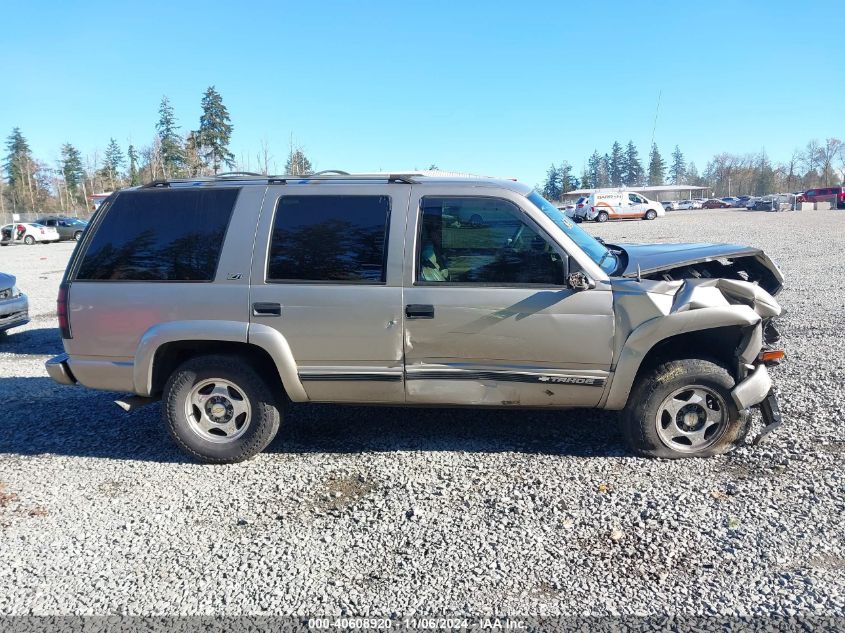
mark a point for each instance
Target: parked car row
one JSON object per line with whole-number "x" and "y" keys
{"x": 28, "y": 233}
{"x": 614, "y": 205}
{"x": 44, "y": 230}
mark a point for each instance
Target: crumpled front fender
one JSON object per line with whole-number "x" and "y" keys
{"x": 697, "y": 304}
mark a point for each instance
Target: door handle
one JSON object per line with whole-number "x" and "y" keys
{"x": 266, "y": 309}
{"x": 419, "y": 311}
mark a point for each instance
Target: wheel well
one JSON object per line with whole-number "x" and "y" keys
{"x": 170, "y": 355}
{"x": 719, "y": 344}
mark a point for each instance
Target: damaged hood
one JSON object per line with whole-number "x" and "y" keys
{"x": 645, "y": 259}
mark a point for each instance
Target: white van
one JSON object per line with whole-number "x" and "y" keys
{"x": 614, "y": 205}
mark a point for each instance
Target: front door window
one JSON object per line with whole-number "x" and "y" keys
{"x": 482, "y": 241}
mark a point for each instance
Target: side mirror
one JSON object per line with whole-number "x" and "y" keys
{"x": 580, "y": 281}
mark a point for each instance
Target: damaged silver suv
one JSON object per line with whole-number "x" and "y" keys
{"x": 225, "y": 297}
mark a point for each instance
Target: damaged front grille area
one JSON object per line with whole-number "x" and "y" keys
{"x": 739, "y": 268}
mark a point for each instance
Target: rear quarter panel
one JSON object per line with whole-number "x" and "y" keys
{"x": 109, "y": 318}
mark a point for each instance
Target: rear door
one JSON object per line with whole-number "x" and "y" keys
{"x": 327, "y": 274}
{"x": 489, "y": 317}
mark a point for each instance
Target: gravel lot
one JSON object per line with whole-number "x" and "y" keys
{"x": 380, "y": 511}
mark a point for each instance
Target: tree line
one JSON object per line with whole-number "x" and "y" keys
{"x": 28, "y": 184}
{"x": 816, "y": 165}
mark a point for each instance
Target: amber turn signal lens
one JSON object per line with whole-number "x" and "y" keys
{"x": 772, "y": 357}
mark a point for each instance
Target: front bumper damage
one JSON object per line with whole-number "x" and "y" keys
{"x": 757, "y": 390}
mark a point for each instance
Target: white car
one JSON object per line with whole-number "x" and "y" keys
{"x": 31, "y": 233}
{"x": 669, "y": 205}
{"x": 689, "y": 204}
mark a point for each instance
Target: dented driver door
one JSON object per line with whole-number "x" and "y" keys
{"x": 489, "y": 318}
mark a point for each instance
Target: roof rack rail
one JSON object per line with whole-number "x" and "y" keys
{"x": 229, "y": 174}
{"x": 334, "y": 175}
{"x": 282, "y": 179}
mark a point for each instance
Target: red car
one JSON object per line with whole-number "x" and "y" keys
{"x": 713, "y": 203}
{"x": 834, "y": 195}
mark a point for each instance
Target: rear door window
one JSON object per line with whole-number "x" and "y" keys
{"x": 339, "y": 239}
{"x": 159, "y": 235}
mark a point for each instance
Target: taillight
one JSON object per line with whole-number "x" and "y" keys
{"x": 62, "y": 312}
{"x": 580, "y": 206}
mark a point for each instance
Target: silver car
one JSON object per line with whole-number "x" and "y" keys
{"x": 225, "y": 296}
{"x": 14, "y": 306}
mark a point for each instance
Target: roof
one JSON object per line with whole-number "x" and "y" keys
{"x": 425, "y": 177}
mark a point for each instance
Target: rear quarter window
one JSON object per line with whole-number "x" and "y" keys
{"x": 159, "y": 235}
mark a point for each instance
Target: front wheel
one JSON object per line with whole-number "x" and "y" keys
{"x": 219, "y": 410}
{"x": 650, "y": 214}
{"x": 683, "y": 408}
{"x": 77, "y": 235}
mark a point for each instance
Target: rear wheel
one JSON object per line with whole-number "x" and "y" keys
{"x": 77, "y": 235}
{"x": 219, "y": 410}
{"x": 29, "y": 240}
{"x": 683, "y": 408}
{"x": 602, "y": 216}
{"x": 650, "y": 214}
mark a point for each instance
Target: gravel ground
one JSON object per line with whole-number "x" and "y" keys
{"x": 392, "y": 511}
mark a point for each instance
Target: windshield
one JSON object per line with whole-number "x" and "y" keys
{"x": 594, "y": 249}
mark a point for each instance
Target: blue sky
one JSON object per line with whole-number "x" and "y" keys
{"x": 499, "y": 88}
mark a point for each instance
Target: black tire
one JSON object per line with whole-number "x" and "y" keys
{"x": 602, "y": 216}
{"x": 650, "y": 214}
{"x": 77, "y": 235}
{"x": 29, "y": 240}
{"x": 640, "y": 416}
{"x": 264, "y": 403}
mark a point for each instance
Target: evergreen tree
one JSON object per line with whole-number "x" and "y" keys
{"x": 604, "y": 171}
{"x": 18, "y": 158}
{"x": 215, "y": 131}
{"x": 193, "y": 155}
{"x": 20, "y": 171}
{"x": 765, "y": 181}
{"x": 134, "y": 176}
{"x": 567, "y": 181}
{"x": 617, "y": 165}
{"x": 172, "y": 152}
{"x": 112, "y": 162}
{"x": 552, "y": 185}
{"x": 594, "y": 169}
{"x": 632, "y": 167}
{"x": 678, "y": 169}
{"x": 298, "y": 164}
{"x": 692, "y": 175}
{"x": 586, "y": 183}
{"x": 71, "y": 167}
{"x": 656, "y": 167}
